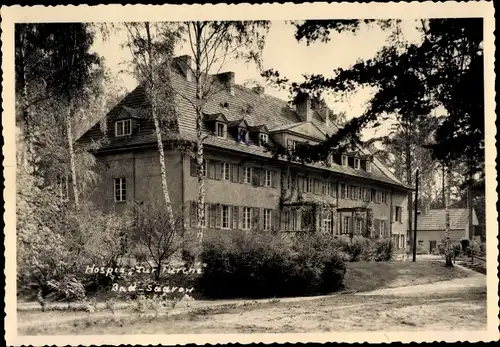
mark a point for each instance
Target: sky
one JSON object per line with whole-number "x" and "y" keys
{"x": 291, "y": 58}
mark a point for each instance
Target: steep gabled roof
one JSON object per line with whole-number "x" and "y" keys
{"x": 435, "y": 219}
{"x": 232, "y": 106}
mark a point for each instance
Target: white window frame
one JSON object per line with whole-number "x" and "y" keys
{"x": 381, "y": 225}
{"x": 121, "y": 125}
{"x": 286, "y": 219}
{"x": 346, "y": 225}
{"x": 346, "y": 191}
{"x": 245, "y": 140}
{"x": 247, "y": 174}
{"x": 263, "y": 138}
{"x": 268, "y": 178}
{"x": 357, "y": 163}
{"x": 226, "y": 171}
{"x": 402, "y": 241}
{"x": 327, "y": 221}
{"x": 121, "y": 190}
{"x": 247, "y": 218}
{"x": 344, "y": 160}
{"x": 267, "y": 219}
{"x": 227, "y": 210}
{"x": 359, "y": 225}
{"x": 220, "y": 126}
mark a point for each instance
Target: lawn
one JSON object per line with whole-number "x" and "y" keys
{"x": 367, "y": 276}
{"x": 339, "y": 312}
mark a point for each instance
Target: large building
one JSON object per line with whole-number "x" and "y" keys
{"x": 245, "y": 186}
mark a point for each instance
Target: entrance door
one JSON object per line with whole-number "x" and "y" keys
{"x": 432, "y": 245}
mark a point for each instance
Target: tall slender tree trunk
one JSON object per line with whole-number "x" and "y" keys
{"x": 469, "y": 202}
{"x": 69, "y": 135}
{"x": 409, "y": 182}
{"x": 154, "y": 113}
{"x": 447, "y": 231}
{"x": 200, "y": 205}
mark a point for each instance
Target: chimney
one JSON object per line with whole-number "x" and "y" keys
{"x": 259, "y": 90}
{"x": 303, "y": 107}
{"x": 323, "y": 111}
{"x": 227, "y": 79}
{"x": 185, "y": 64}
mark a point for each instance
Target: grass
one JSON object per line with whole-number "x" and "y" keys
{"x": 368, "y": 276}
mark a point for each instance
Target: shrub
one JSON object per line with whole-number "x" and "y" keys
{"x": 384, "y": 249}
{"x": 255, "y": 264}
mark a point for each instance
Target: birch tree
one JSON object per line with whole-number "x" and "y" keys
{"x": 213, "y": 44}
{"x": 151, "y": 46}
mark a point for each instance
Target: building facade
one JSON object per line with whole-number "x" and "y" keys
{"x": 246, "y": 187}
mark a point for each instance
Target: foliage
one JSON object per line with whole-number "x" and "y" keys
{"x": 156, "y": 238}
{"x": 384, "y": 249}
{"x": 263, "y": 265}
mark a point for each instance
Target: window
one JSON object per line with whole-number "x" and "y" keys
{"x": 123, "y": 127}
{"x": 344, "y": 160}
{"x": 357, "y": 163}
{"x": 402, "y": 241}
{"x": 243, "y": 135}
{"x": 221, "y": 130}
{"x": 289, "y": 182}
{"x": 360, "y": 193}
{"x": 352, "y": 192}
{"x": 384, "y": 197}
{"x": 294, "y": 220}
{"x": 263, "y": 138}
{"x": 382, "y": 228}
{"x": 366, "y": 195}
{"x": 225, "y": 217}
{"x": 420, "y": 243}
{"x": 327, "y": 221}
{"x": 359, "y": 226}
{"x": 346, "y": 225}
{"x": 226, "y": 171}
{"x": 368, "y": 166}
{"x": 309, "y": 185}
{"x": 328, "y": 188}
{"x": 372, "y": 195}
{"x": 286, "y": 220}
{"x": 398, "y": 214}
{"x": 120, "y": 189}
{"x": 323, "y": 186}
{"x": 247, "y": 218}
{"x": 378, "y": 197}
{"x": 247, "y": 174}
{"x": 267, "y": 219}
{"x": 204, "y": 168}
{"x": 344, "y": 191}
{"x": 268, "y": 179}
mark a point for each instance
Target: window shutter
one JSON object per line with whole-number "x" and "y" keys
{"x": 300, "y": 184}
{"x": 386, "y": 227}
{"x": 241, "y": 171}
{"x": 393, "y": 215}
{"x": 218, "y": 209}
{"x": 256, "y": 219}
{"x": 234, "y": 173}
{"x": 192, "y": 169}
{"x": 211, "y": 215}
{"x": 211, "y": 169}
{"x": 275, "y": 219}
{"x": 235, "y": 218}
{"x": 218, "y": 170}
{"x": 377, "y": 227}
{"x": 275, "y": 177}
{"x": 262, "y": 178}
{"x": 192, "y": 214}
{"x": 255, "y": 177}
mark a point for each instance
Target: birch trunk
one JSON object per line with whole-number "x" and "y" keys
{"x": 69, "y": 135}
{"x": 447, "y": 232}
{"x": 154, "y": 112}
{"x": 200, "y": 206}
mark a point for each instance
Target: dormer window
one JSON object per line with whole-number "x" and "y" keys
{"x": 243, "y": 135}
{"x": 220, "y": 130}
{"x": 123, "y": 127}
{"x": 368, "y": 166}
{"x": 344, "y": 160}
{"x": 357, "y": 163}
{"x": 263, "y": 139}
